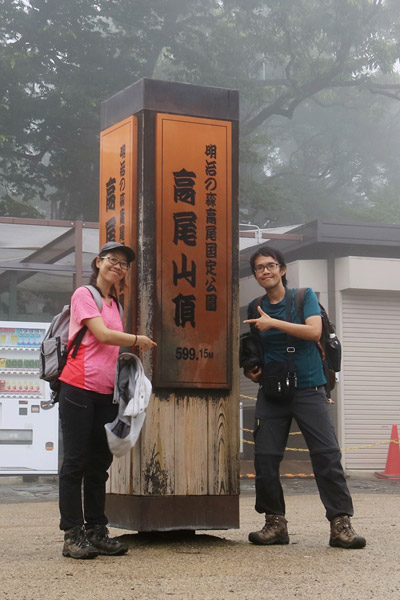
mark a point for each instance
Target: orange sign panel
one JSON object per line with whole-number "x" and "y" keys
{"x": 194, "y": 258}
{"x": 118, "y": 185}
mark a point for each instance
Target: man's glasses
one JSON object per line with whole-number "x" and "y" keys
{"x": 268, "y": 267}
{"x": 114, "y": 261}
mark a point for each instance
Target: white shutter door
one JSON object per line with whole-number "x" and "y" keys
{"x": 371, "y": 375}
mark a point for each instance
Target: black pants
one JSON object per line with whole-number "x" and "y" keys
{"x": 311, "y": 411}
{"x": 87, "y": 457}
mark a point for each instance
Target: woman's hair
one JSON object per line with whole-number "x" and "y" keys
{"x": 95, "y": 272}
{"x": 268, "y": 251}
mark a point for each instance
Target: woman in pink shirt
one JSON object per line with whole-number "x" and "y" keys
{"x": 86, "y": 405}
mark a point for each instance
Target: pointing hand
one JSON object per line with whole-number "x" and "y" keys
{"x": 264, "y": 321}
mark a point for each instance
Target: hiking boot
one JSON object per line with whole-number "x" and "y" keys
{"x": 343, "y": 534}
{"x": 274, "y": 531}
{"x": 76, "y": 544}
{"x": 98, "y": 537}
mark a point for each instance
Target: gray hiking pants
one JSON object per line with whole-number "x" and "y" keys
{"x": 311, "y": 411}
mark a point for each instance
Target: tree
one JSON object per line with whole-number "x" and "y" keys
{"x": 292, "y": 68}
{"x": 333, "y": 159}
{"x": 61, "y": 59}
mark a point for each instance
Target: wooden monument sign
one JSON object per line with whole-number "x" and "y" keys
{"x": 169, "y": 189}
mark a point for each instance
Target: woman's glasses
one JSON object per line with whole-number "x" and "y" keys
{"x": 114, "y": 261}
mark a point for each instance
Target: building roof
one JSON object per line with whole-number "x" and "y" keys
{"x": 35, "y": 247}
{"x": 329, "y": 239}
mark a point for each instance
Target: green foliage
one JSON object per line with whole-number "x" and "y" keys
{"x": 382, "y": 207}
{"x": 316, "y": 80}
{"x": 9, "y": 207}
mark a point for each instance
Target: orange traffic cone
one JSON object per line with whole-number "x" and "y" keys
{"x": 392, "y": 469}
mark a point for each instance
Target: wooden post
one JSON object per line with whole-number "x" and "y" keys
{"x": 169, "y": 188}
{"x": 78, "y": 231}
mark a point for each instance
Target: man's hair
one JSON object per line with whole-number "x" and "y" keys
{"x": 268, "y": 251}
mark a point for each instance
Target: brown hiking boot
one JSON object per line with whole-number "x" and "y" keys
{"x": 274, "y": 532}
{"x": 99, "y": 538}
{"x": 76, "y": 544}
{"x": 343, "y": 534}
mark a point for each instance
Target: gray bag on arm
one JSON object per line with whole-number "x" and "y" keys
{"x": 132, "y": 391}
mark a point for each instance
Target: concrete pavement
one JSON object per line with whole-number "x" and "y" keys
{"x": 211, "y": 565}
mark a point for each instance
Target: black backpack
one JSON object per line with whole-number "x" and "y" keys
{"x": 329, "y": 344}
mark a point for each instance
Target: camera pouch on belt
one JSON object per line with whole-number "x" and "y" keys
{"x": 278, "y": 382}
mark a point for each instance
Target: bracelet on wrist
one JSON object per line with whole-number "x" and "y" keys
{"x": 135, "y": 344}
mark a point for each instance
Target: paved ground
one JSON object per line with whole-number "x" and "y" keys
{"x": 215, "y": 565}
{"x": 15, "y": 490}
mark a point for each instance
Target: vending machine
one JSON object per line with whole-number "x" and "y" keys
{"x": 28, "y": 421}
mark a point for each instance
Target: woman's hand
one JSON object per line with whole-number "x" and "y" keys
{"x": 145, "y": 343}
{"x": 254, "y": 373}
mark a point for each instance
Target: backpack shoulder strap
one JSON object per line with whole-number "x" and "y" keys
{"x": 291, "y": 340}
{"x": 120, "y": 307}
{"x": 99, "y": 301}
{"x": 299, "y": 302}
{"x": 254, "y": 305}
{"x": 288, "y": 304}
{"x": 76, "y": 342}
{"x": 96, "y": 296}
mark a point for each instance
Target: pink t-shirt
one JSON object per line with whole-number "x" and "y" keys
{"x": 93, "y": 368}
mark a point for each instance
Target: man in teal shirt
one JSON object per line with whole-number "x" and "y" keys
{"x": 308, "y": 406}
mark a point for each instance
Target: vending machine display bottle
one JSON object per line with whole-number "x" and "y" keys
{"x": 28, "y": 421}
